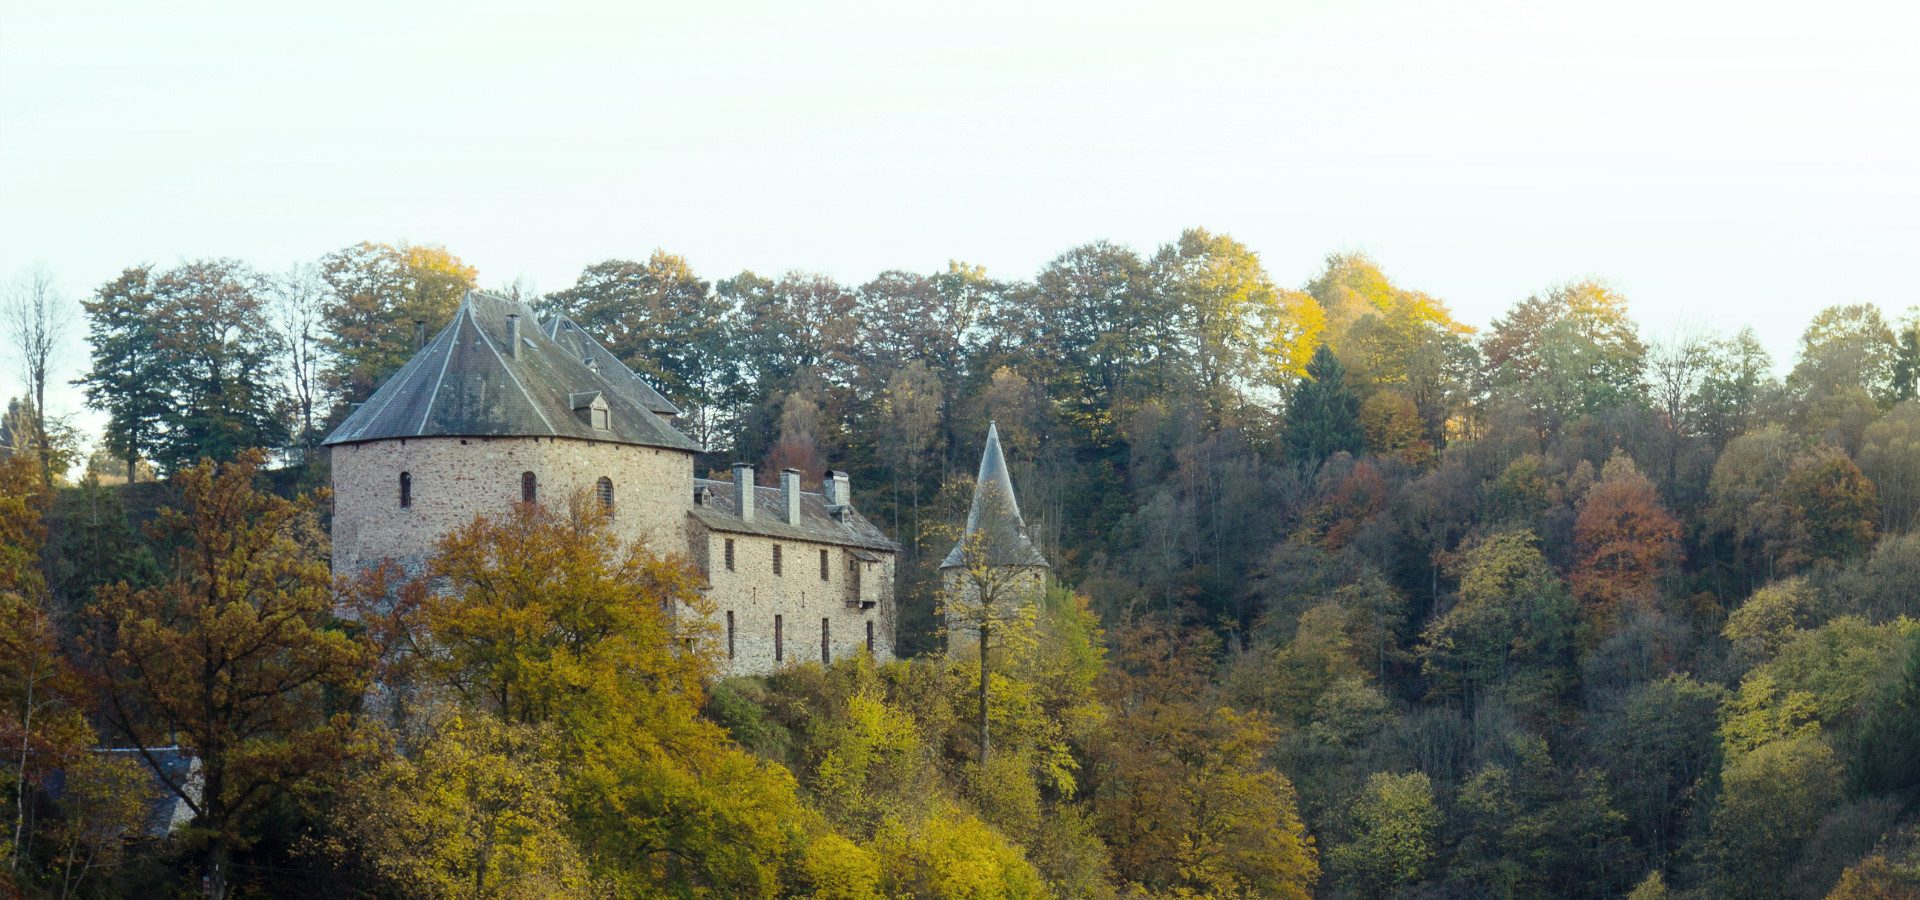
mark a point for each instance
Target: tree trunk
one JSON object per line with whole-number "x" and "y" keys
{"x": 215, "y": 880}
{"x": 985, "y": 628}
{"x": 20, "y": 780}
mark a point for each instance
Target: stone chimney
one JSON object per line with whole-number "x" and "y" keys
{"x": 790, "y": 496}
{"x": 419, "y": 333}
{"x": 513, "y": 333}
{"x": 743, "y": 490}
{"x": 834, "y": 487}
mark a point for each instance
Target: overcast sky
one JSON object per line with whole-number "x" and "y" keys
{"x": 1719, "y": 163}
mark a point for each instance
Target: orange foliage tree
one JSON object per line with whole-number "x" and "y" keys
{"x": 1624, "y": 541}
{"x": 237, "y": 658}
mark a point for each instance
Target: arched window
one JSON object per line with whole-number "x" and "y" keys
{"x": 529, "y": 488}
{"x": 406, "y": 489}
{"x": 604, "y": 490}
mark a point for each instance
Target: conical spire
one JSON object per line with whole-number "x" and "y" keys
{"x": 996, "y": 512}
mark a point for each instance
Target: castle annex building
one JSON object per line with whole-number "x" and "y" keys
{"x": 501, "y": 408}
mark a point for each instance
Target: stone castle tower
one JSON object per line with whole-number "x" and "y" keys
{"x": 995, "y": 561}
{"x": 500, "y": 408}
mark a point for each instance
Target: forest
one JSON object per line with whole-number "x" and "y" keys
{"x": 1349, "y": 598}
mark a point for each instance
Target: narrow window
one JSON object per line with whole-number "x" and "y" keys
{"x": 869, "y": 636}
{"x": 406, "y": 490}
{"x": 529, "y": 488}
{"x": 730, "y": 633}
{"x": 779, "y": 645}
{"x": 604, "y": 489}
{"x": 599, "y": 417}
{"x": 823, "y": 566}
{"x": 729, "y": 554}
{"x": 826, "y": 626}
{"x": 776, "y": 559}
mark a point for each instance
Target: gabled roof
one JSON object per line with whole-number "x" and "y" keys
{"x": 467, "y": 382}
{"x": 819, "y": 521}
{"x": 562, "y": 330}
{"x": 995, "y": 515}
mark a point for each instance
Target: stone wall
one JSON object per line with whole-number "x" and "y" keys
{"x": 798, "y": 596}
{"x": 455, "y": 479}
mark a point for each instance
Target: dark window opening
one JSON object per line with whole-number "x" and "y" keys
{"x": 776, "y": 559}
{"x": 406, "y": 489}
{"x": 826, "y": 630}
{"x": 604, "y": 489}
{"x": 823, "y": 566}
{"x": 730, "y": 633}
{"x": 529, "y": 488}
{"x": 779, "y": 644}
{"x": 869, "y": 636}
{"x": 729, "y": 554}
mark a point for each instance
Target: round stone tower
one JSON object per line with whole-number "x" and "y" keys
{"x": 497, "y": 409}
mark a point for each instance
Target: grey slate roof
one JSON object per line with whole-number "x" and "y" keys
{"x": 466, "y": 382}
{"x": 562, "y": 330}
{"x": 997, "y": 512}
{"x": 819, "y": 522}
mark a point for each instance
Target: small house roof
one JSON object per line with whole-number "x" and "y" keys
{"x": 819, "y": 522}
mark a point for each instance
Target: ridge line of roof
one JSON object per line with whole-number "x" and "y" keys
{"x": 411, "y": 363}
{"x": 524, "y": 393}
{"x": 446, "y": 359}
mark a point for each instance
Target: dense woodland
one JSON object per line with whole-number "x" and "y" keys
{"x": 1352, "y": 599}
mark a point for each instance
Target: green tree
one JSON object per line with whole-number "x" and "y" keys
{"x": 1395, "y": 824}
{"x": 664, "y": 322}
{"x": 1323, "y": 416}
{"x": 376, "y": 295}
{"x": 1845, "y": 349}
{"x": 1512, "y": 622}
{"x": 1771, "y": 800}
{"x": 1890, "y": 456}
{"x": 1570, "y": 352}
{"x": 1886, "y": 755}
{"x": 128, "y": 380}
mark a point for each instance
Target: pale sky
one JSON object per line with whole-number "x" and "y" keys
{"x": 1721, "y": 164}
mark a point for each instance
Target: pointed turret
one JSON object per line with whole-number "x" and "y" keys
{"x": 994, "y": 525}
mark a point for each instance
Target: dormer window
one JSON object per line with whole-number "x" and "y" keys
{"x": 591, "y": 407}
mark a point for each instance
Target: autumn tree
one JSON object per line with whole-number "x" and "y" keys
{"x": 1395, "y": 339}
{"x": 375, "y": 297}
{"x": 1624, "y": 542}
{"x": 41, "y": 726}
{"x": 475, "y": 811}
{"x": 103, "y": 808}
{"x": 1237, "y": 333}
{"x": 234, "y": 658}
{"x": 547, "y": 619}
{"x": 1181, "y": 794}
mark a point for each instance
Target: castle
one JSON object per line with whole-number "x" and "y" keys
{"x": 501, "y": 407}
